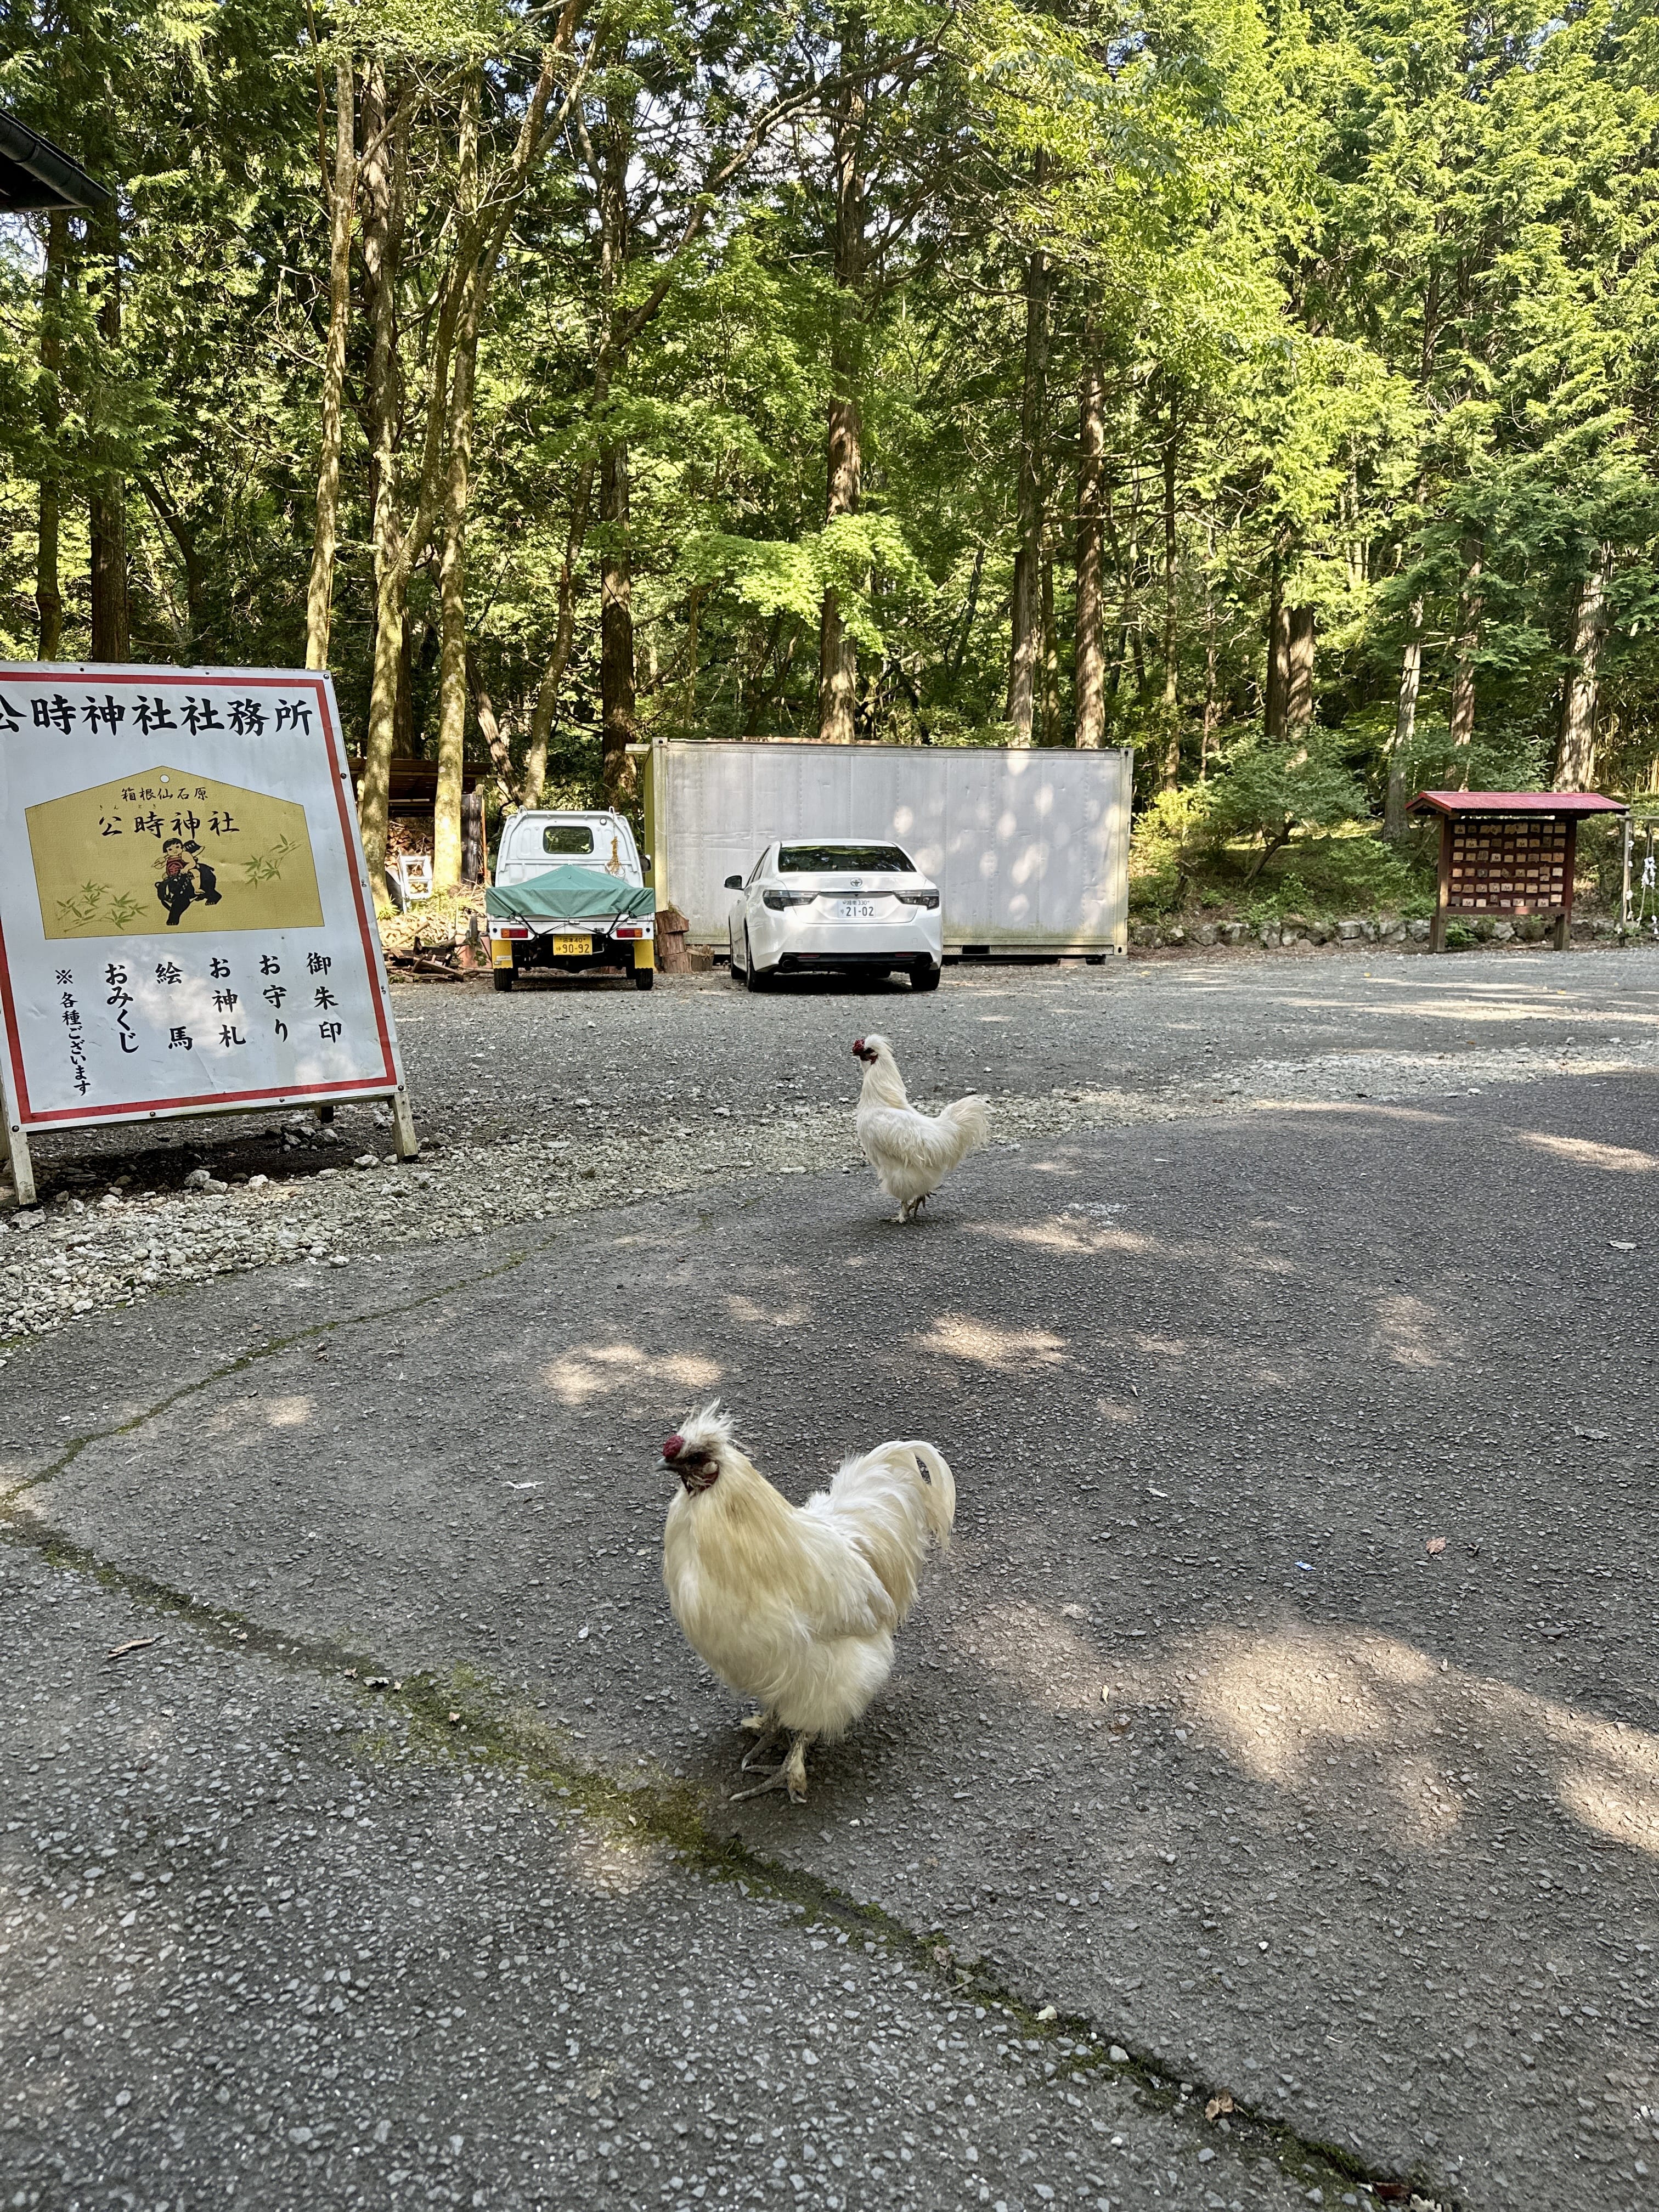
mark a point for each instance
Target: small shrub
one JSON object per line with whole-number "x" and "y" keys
{"x": 1271, "y": 790}
{"x": 1169, "y": 837}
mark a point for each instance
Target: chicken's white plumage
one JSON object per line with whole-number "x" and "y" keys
{"x": 911, "y": 1153}
{"x": 796, "y": 1605}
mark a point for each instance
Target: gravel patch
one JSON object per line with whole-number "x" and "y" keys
{"x": 82, "y": 1254}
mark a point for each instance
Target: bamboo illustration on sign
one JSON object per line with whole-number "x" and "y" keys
{"x": 163, "y": 850}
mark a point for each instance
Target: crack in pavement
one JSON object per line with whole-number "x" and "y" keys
{"x": 245, "y": 1360}
{"x": 465, "y": 1715}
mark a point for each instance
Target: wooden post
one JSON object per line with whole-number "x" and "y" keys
{"x": 402, "y": 1123}
{"x": 1437, "y": 927}
{"x": 1564, "y": 921}
{"x": 22, "y": 1167}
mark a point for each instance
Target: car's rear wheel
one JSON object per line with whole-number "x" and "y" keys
{"x": 504, "y": 979}
{"x": 644, "y": 978}
{"x": 751, "y": 975}
{"x": 925, "y": 976}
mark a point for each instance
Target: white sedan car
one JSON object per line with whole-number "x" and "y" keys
{"x": 838, "y": 903}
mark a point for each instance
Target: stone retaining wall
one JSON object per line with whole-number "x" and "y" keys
{"x": 1293, "y": 934}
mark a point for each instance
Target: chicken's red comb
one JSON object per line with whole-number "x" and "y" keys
{"x": 858, "y": 1044}
{"x": 672, "y": 1447}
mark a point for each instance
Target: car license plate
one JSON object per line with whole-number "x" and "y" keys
{"x": 854, "y": 910}
{"x": 580, "y": 945}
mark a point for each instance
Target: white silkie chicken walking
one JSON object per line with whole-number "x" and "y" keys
{"x": 911, "y": 1153}
{"x": 796, "y": 1605}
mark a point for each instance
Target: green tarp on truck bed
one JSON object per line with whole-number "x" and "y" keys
{"x": 568, "y": 895}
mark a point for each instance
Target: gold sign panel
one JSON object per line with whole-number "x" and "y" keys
{"x": 162, "y": 851}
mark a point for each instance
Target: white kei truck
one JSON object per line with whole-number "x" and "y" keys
{"x": 569, "y": 894}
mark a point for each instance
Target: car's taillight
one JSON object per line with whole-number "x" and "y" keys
{"x": 778, "y": 900}
{"x": 929, "y": 899}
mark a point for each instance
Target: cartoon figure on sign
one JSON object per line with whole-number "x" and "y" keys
{"x": 185, "y": 879}
{"x": 213, "y": 855}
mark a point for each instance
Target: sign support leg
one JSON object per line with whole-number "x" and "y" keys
{"x": 402, "y": 1123}
{"x": 22, "y": 1167}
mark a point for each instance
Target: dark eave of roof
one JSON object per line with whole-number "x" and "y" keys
{"x": 35, "y": 173}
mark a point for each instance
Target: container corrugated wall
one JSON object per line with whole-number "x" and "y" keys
{"x": 1030, "y": 850}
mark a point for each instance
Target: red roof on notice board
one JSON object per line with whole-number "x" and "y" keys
{"x": 1516, "y": 802}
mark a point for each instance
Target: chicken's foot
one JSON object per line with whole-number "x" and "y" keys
{"x": 791, "y": 1776}
{"x": 765, "y": 1728}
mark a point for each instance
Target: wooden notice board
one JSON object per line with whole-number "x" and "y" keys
{"x": 1505, "y": 854}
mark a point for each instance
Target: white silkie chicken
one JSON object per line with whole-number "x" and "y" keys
{"x": 796, "y": 1605}
{"x": 911, "y": 1153}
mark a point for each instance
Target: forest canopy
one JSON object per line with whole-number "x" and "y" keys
{"x": 1269, "y": 388}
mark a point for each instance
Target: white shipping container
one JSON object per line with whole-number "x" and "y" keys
{"x": 1030, "y": 849}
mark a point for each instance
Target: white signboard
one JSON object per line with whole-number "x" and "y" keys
{"x": 185, "y": 925}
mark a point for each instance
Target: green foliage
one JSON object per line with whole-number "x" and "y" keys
{"x": 1268, "y": 789}
{"x": 1375, "y": 295}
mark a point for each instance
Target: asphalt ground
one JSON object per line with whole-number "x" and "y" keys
{"x": 1195, "y": 1740}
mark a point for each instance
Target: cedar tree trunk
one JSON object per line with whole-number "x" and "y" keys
{"x": 452, "y": 573}
{"x": 1575, "y": 751}
{"x": 838, "y": 665}
{"x": 1470, "y": 601}
{"x": 1405, "y": 729}
{"x": 1169, "y": 775}
{"x": 1091, "y": 677}
{"x": 111, "y": 638}
{"x": 1026, "y": 631}
{"x": 48, "y": 589}
{"x": 1300, "y": 675}
{"x": 1276, "y": 692}
{"x": 341, "y": 192}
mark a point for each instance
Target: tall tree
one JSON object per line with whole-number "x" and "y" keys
{"x": 457, "y": 493}
{"x": 844, "y": 462}
{"x": 1090, "y": 626}
{"x": 112, "y": 629}
{"x": 1575, "y": 748}
{"x": 1025, "y": 647}
{"x": 340, "y": 185}
{"x": 48, "y": 586}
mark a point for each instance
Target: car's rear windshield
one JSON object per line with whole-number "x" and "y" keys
{"x": 567, "y": 837}
{"x": 868, "y": 859}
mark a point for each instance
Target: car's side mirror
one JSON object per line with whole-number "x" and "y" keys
{"x": 734, "y": 882}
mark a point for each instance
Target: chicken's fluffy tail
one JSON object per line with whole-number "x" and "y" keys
{"x": 939, "y": 1496}
{"x": 893, "y": 1503}
{"x": 969, "y": 1123}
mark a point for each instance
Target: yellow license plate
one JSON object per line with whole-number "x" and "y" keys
{"x": 580, "y": 946}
